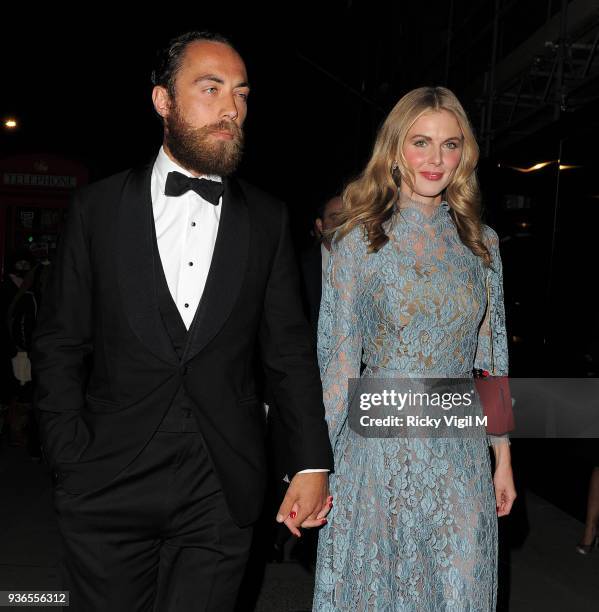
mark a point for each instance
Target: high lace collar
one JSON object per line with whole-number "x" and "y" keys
{"x": 419, "y": 210}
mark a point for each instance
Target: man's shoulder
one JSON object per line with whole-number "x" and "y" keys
{"x": 103, "y": 186}
{"x": 258, "y": 198}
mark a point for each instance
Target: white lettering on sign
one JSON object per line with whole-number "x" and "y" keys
{"x": 39, "y": 180}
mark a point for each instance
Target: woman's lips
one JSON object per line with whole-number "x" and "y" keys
{"x": 432, "y": 176}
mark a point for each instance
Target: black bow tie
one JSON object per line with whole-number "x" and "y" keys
{"x": 177, "y": 184}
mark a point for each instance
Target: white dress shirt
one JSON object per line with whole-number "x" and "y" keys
{"x": 325, "y": 255}
{"x": 186, "y": 229}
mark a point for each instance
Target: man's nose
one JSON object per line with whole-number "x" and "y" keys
{"x": 230, "y": 110}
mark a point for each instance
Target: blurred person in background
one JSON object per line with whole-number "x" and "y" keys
{"x": 17, "y": 303}
{"x": 590, "y": 449}
{"x": 590, "y": 538}
{"x": 314, "y": 260}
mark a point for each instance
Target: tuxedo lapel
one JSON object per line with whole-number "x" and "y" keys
{"x": 136, "y": 254}
{"x": 226, "y": 273}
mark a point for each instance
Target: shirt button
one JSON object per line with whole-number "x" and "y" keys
{"x": 191, "y": 263}
{"x": 186, "y": 305}
{"x": 193, "y": 224}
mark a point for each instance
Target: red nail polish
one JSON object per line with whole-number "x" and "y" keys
{"x": 324, "y": 521}
{"x": 293, "y": 514}
{"x": 330, "y": 504}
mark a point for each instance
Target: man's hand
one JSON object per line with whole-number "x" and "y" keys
{"x": 306, "y": 503}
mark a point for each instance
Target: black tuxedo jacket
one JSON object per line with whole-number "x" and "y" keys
{"x": 311, "y": 265}
{"x": 106, "y": 370}
{"x": 311, "y": 285}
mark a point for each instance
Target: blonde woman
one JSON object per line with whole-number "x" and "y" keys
{"x": 415, "y": 519}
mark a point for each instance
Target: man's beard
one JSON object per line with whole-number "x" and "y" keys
{"x": 199, "y": 152}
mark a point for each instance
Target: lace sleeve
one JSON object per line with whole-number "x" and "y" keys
{"x": 492, "y": 352}
{"x": 339, "y": 334}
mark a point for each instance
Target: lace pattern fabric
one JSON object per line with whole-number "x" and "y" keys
{"x": 414, "y": 526}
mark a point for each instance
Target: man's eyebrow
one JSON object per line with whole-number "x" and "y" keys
{"x": 210, "y": 77}
{"x": 216, "y": 79}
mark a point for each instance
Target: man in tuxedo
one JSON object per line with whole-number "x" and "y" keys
{"x": 166, "y": 278}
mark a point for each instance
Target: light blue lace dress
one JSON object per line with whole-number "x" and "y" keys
{"x": 414, "y": 524}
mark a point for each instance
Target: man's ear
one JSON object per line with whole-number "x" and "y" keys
{"x": 161, "y": 101}
{"x": 318, "y": 224}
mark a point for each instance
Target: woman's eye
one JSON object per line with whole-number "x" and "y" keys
{"x": 420, "y": 143}
{"x": 451, "y": 145}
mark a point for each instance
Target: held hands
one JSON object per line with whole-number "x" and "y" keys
{"x": 306, "y": 503}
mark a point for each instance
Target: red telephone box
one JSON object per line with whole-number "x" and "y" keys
{"x": 34, "y": 194}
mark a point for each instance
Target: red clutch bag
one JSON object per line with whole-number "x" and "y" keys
{"x": 494, "y": 391}
{"x": 496, "y": 400}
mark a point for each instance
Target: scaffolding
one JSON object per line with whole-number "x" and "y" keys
{"x": 555, "y": 71}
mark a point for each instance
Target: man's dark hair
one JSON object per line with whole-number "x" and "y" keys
{"x": 169, "y": 58}
{"x": 322, "y": 207}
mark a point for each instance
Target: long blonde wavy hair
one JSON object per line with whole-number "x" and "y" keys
{"x": 370, "y": 199}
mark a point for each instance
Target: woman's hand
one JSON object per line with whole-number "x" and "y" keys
{"x": 503, "y": 480}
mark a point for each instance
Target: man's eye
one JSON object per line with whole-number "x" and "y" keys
{"x": 210, "y": 90}
{"x": 243, "y": 95}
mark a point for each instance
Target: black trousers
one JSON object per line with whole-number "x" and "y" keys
{"x": 158, "y": 538}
